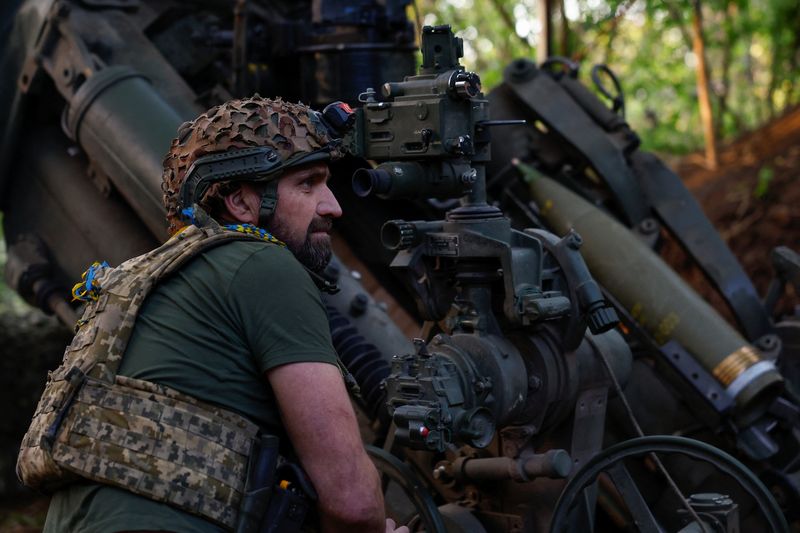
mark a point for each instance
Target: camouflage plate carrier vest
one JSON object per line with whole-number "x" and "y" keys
{"x": 130, "y": 433}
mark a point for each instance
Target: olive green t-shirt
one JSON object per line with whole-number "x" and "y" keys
{"x": 211, "y": 331}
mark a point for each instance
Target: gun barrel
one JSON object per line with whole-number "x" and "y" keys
{"x": 123, "y": 123}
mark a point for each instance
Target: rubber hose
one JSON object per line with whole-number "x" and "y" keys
{"x": 363, "y": 360}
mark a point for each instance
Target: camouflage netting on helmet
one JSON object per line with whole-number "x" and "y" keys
{"x": 290, "y": 129}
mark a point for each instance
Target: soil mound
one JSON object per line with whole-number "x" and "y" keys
{"x": 753, "y": 199}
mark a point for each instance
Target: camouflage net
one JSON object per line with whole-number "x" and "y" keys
{"x": 290, "y": 129}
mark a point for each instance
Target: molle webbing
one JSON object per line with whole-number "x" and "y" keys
{"x": 137, "y": 435}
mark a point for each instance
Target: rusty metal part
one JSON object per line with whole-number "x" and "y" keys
{"x": 554, "y": 464}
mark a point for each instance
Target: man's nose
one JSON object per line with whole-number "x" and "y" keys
{"x": 328, "y": 204}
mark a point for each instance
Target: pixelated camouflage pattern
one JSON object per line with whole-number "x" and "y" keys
{"x": 291, "y": 129}
{"x": 133, "y": 434}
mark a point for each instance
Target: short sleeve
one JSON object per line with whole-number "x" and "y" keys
{"x": 280, "y": 310}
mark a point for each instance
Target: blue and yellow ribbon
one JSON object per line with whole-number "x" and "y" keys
{"x": 250, "y": 229}
{"x": 87, "y": 289}
{"x": 189, "y": 214}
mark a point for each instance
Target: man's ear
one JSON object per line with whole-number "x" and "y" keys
{"x": 242, "y": 205}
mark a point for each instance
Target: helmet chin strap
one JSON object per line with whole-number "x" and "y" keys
{"x": 269, "y": 199}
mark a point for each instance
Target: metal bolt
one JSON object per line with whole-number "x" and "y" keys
{"x": 358, "y": 305}
{"x": 469, "y": 176}
{"x": 522, "y": 70}
{"x": 574, "y": 240}
{"x": 332, "y": 271}
{"x": 648, "y": 226}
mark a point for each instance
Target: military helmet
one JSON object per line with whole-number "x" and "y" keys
{"x": 251, "y": 139}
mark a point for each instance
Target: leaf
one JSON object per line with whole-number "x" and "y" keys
{"x": 765, "y": 175}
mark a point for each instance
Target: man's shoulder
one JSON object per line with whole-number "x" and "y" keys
{"x": 236, "y": 256}
{"x": 245, "y": 269}
{"x": 262, "y": 260}
{"x": 233, "y": 250}
{"x": 247, "y": 249}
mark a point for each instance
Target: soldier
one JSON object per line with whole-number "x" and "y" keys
{"x": 231, "y": 344}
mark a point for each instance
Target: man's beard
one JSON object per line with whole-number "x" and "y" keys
{"x": 313, "y": 255}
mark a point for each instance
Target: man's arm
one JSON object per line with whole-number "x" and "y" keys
{"x": 321, "y": 424}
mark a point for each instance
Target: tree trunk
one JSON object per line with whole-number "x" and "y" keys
{"x": 563, "y": 31}
{"x": 794, "y": 56}
{"x": 609, "y": 48}
{"x": 730, "y": 13}
{"x": 545, "y": 47}
{"x": 774, "y": 79}
{"x": 703, "y": 93}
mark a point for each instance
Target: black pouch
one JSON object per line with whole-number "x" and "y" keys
{"x": 261, "y": 471}
{"x": 292, "y": 498}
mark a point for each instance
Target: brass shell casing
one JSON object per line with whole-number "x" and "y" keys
{"x": 733, "y": 365}
{"x": 657, "y": 298}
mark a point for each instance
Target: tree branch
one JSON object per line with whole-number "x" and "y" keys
{"x": 509, "y": 21}
{"x": 676, "y": 15}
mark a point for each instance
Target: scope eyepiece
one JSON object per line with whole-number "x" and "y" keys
{"x": 401, "y": 234}
{"x": 367, "y": 181}
{"x": 465, "y": 84}
{"x": 398, "y": 235}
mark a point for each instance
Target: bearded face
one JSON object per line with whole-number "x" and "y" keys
{"x": 304, "y": 214}
{"x": 313, "y": 247}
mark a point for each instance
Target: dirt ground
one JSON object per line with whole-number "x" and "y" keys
{"x": 23, "y": 514}
{"x": 753, "y": 199}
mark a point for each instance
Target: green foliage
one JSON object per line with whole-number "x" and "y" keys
{"x": 752, "y": 52}
{"x": 765, "y": 175}
{"x": 10, "y": 302}
{"x": 489, "y": 31}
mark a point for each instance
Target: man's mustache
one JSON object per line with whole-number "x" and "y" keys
{"x": 320, "y": 224}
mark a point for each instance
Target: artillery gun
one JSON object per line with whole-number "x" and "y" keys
{"x": 505, "y": 389}
{"x": 519, "y": 354}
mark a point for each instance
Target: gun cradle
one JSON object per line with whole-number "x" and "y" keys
{"x": 461, "y": 388}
